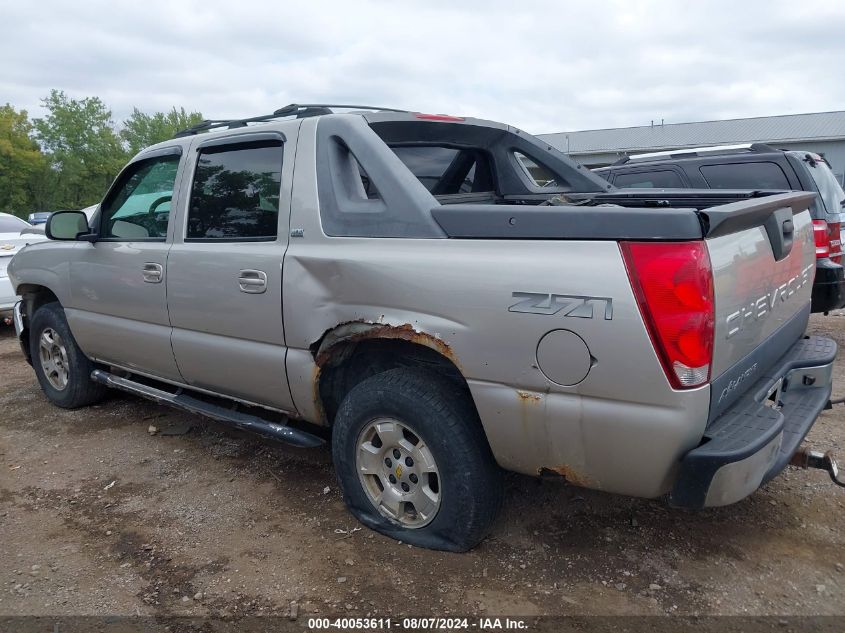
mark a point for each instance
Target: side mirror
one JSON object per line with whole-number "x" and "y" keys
{"x": 68, "y": 225}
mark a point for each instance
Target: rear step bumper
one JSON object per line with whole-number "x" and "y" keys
{"x": 230, "y": 416}
{"x": 751, "y": 442}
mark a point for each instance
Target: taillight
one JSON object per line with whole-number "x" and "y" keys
{"x": 673, "y": 284}
{"x": 820, "y": 234}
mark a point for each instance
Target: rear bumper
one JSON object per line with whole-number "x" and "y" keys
{"x": 828, "y": 287}
{"x": 751, "y": 442}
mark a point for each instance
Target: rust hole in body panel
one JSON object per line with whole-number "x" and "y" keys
{"x": 568, "y": 473}
{"x": 529, "y": 397}
{"x": 318, "y": 401}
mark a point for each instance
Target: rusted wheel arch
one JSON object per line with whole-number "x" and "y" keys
{"x": 354, "y": 351}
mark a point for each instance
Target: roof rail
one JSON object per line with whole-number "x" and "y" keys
{"x": 300, "y": 111}
{"x": 697, "y": 151}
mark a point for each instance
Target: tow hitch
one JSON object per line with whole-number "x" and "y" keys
{"x": 805, "y": 458}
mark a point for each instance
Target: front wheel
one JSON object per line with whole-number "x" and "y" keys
{"x": 413, "y": 462}
{"x": 63, "y": 371}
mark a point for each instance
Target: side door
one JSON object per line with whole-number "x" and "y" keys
{"x": 118, "y": 308}
{"x": 224, "y": 272}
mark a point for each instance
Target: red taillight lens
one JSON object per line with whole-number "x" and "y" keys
{"x": 820, "y": 233}
{"x": 673, "y": 284}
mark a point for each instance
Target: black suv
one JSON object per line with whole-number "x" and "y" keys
{"x": 755, "y": 166}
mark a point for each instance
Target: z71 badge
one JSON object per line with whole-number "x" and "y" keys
{"x": 578, "y": 306}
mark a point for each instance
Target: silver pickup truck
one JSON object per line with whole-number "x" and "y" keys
{"x": 445, "y": 297}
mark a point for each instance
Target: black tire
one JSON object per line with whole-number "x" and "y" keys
{"x": 79, "y": 391}
{"x": 443, "y": 415}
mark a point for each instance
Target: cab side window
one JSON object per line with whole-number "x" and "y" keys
{"x": 658, "y": 179}
{"x": 761, "y": 175}
{"x": 138, "y": 208}
{"x": 235, "y": 194}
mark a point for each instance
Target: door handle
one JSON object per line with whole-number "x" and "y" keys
{"x": 252, "y": 281}
{"x": 152, "y": 273}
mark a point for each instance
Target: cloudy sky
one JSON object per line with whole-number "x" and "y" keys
{"x": 543, "y": 66}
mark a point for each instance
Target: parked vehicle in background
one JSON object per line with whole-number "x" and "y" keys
{"x": 14, "y": 235}
{"x": 404, "y": 279}
{"x": 34, "y": 230}
{"x": 39, "y": 217}
{"x": 754, "y": 166}
{"x": 12, "y": 224}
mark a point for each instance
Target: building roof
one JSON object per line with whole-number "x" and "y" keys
{"x": 815, "y": 126}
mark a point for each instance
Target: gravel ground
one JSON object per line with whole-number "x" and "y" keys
{"x": 98, "y": 516}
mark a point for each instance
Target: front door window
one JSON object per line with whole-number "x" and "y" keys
{"x": 139, "y": 207}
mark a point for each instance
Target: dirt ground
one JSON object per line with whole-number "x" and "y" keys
{"x": 98, "y": 516}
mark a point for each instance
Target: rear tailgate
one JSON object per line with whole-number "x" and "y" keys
{"x": 763, "y": 257}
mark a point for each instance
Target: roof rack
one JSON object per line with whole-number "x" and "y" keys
{"x": 298, "y": 110}
{"x": 697, "y": 151}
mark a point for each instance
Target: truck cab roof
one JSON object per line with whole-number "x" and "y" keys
{"x": 458, "y": 159}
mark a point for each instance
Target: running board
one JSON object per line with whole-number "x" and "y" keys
{"x": 237, "y": 419}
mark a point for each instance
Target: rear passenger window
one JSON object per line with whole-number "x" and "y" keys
{"x": 762, "y": 175}
{"x": 661, "y": 179}
{"x": 235, "y": 194}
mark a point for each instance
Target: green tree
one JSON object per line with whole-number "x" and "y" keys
{"x": 85, "y": 152}
{"x": 141, "y": 130}
{"x": 21, "y": 162}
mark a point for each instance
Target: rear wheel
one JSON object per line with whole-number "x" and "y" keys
{"x": 413, "y": 462}
{"x": 63, "y": 371}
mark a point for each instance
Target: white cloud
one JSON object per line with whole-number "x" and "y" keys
{"x": 544, "y": 66}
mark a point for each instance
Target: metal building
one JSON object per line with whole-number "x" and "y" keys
{"x": 820, "y": 132}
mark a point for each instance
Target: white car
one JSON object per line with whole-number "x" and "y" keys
{"x": 14, "y": 235}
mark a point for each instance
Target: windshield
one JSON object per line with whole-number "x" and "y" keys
{"x": 830, "y": 191}
{"x": 11, "y": 224}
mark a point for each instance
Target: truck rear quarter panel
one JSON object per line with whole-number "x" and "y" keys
{"x": 621, "y": 428}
